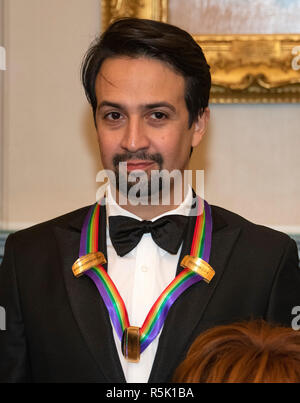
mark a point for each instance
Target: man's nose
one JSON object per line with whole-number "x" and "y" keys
{"x": 135, "y": 137}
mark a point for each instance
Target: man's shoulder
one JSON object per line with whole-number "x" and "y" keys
{"x": 253, "y": 232}
{"x": 73, "y": 219}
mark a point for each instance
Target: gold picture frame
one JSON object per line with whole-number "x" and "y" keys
{"x": 252, "y": 68}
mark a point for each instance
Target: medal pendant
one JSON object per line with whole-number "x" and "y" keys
{"x": 131, "y": 347}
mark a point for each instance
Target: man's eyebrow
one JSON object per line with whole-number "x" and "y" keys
{"x": 111, "y": 104}
{"x": 159, "y": 105}
{"x": 143, "y": 106}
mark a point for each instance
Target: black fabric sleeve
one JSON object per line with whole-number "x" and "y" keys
{"x": 14, "y": 365}
{"x": 285, "y": 292}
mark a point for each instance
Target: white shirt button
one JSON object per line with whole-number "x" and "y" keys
{"x": 144, "y": 269}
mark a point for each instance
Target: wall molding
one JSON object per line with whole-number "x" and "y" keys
{"x": 287, "y": 229}
{"x": 15, "y": 226}
{"x": 4, "y": 234}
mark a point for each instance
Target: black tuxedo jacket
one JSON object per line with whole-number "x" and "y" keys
{"x": 58, "y": 329}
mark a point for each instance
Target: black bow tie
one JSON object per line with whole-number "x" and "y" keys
{"x": 126, "y": 232}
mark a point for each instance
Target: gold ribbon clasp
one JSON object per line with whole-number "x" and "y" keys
{"x": 86, "y": 262}
{"x": 199, "y": 266}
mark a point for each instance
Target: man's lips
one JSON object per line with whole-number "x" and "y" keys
{"x": 139, "y": 164}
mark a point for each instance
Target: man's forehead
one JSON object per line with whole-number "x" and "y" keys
{"x": 124, "y": 74}
{"x": 121, "y": 68}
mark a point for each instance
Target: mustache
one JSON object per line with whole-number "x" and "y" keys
{"x": 140, "y": 155}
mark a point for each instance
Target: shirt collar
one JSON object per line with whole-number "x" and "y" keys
{"x": 113, "y": 208}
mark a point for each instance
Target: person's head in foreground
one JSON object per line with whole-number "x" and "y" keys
{"x": 252, "y": 352}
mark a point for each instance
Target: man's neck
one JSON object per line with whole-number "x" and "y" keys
{"x": 149, "y": 210}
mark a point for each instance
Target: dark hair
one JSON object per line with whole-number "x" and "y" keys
{"x": 135, "y": 37}
{"x": 252, "y": 352}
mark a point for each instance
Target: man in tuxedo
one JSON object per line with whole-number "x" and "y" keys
{"x": 148, "y": 84}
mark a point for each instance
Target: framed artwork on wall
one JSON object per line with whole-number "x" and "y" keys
{"x": 252, "y": 46}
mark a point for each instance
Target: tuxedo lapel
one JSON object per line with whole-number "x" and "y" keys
{"x": 186, "y": 313}
{"x": 87, "y": 305}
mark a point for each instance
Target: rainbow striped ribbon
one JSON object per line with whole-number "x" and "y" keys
{"x": 201, "y": 245}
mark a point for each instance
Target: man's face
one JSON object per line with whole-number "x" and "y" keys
{"x": 141, "y": 116}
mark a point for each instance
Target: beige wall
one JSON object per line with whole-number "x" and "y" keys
{"x": 252, "y": 162}
{"x": 250, "y": 156}
{"x": 50, "y": 151}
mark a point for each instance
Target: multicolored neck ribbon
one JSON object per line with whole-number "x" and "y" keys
{"x": 196, "y": 268}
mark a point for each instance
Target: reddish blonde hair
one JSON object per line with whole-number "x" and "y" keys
{"x": 252, "y": 352}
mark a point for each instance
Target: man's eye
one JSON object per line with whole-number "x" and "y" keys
{"x": 113, "y": 116}
{"x": 158, "y": 115}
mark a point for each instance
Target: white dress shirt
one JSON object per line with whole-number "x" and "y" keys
{"x": 140, "y": 277}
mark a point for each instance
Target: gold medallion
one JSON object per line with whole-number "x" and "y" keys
{"x": 86, "y": 262}
{"x": 131, "y": 347}
{"x": 199, "y": 266}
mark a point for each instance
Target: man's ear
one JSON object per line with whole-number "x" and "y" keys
{"x": 200, "y": 127}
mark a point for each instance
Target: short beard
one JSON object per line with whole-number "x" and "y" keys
{"x": 145, "y": 183}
